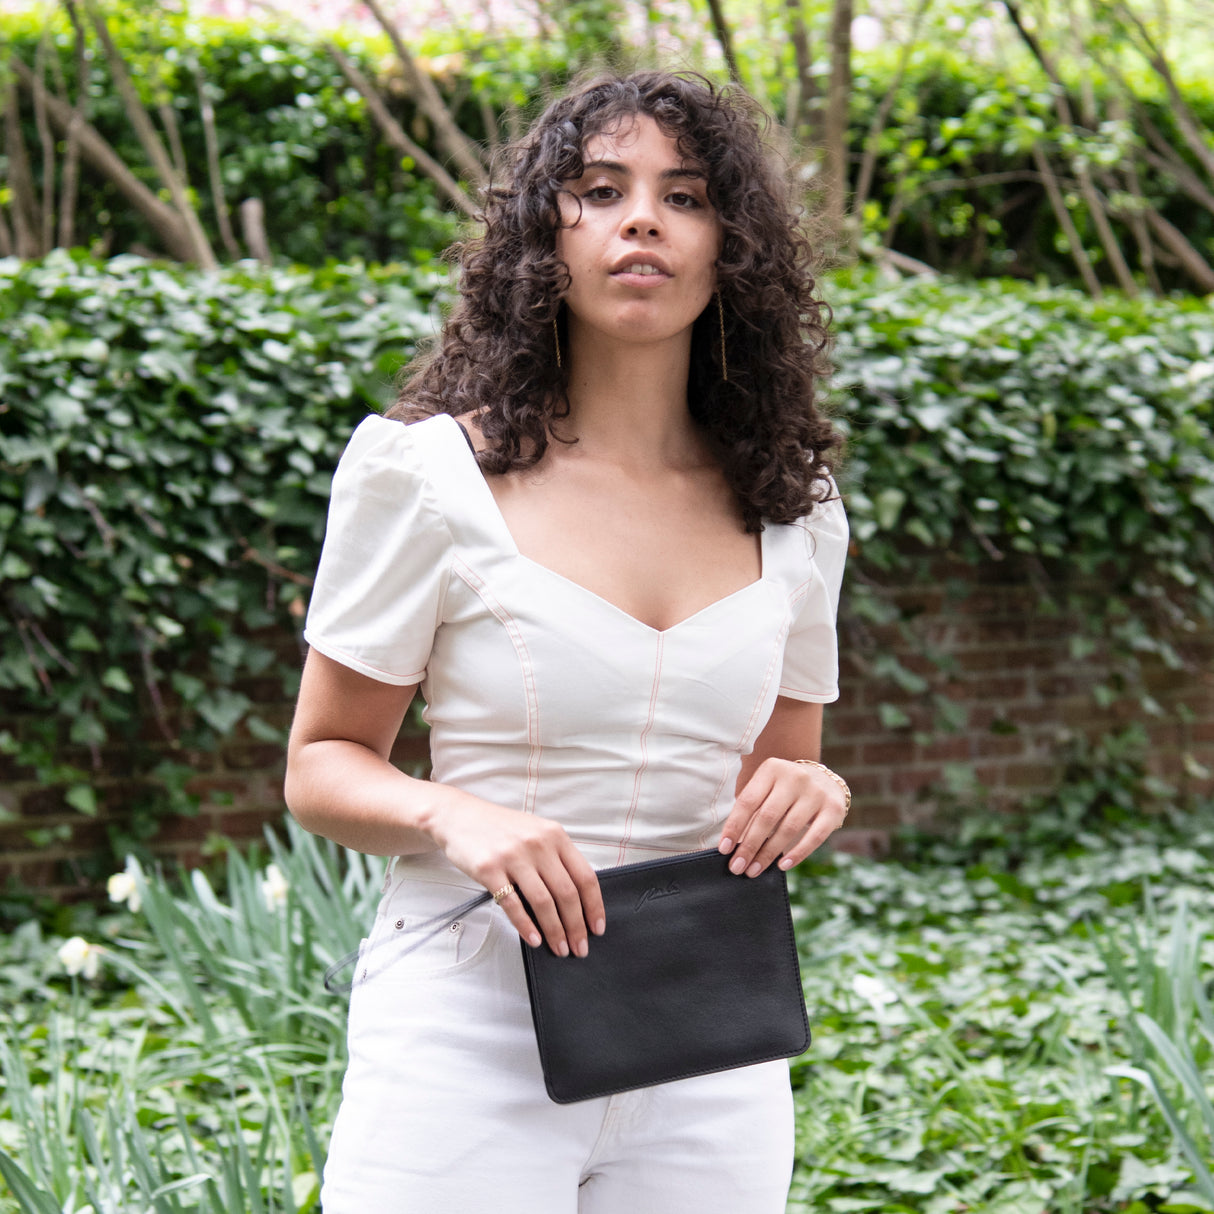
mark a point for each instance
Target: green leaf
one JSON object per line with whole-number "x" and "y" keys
{"x": 83, "y": 798}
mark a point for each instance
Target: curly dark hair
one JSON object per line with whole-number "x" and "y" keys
{"x": 496, "y": 354}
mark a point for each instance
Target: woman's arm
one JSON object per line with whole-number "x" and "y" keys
{"x": 340, "y": 784}
{"x": 782, "y": 808}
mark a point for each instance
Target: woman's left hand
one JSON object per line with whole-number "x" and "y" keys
{"x": 786, "y": 809}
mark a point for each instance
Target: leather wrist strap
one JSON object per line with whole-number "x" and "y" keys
{"x": 834, "y": 775}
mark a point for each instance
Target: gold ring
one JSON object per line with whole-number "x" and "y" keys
{"x": 504, "y": 892}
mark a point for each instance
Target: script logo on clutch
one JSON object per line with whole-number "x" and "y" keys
{"x": 653, "y": 892}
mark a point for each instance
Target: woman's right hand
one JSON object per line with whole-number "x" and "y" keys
{"x": 497, "y": 847}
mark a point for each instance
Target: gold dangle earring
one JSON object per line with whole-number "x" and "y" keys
{"x": 556, "y": 337}
{"x": 721, "y": 323}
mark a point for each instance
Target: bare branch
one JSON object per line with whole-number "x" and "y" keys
{"x": 835, "y": 128}
{"x": 1078, "y": 253}
{"x": 168, "y": 119}
{"x": 451, "y": 139}
{"x": 71, "y": 155}
{"x": 720, "y": 28}
{"x": 1095, "y": 204}
{"x": 1188, "y": 181}
{"x": 140, "y": 119}
{"x": 165, "y": 221}
{"x": 804, "y": 92}
{"x": 223, "y": 217}
{"x": 20, "y": 178}
{"x": 396, "y": 136}
{"x": 253, "y": 228}
{"x": 1135, "y": 218}
{"x": 1190, "y": 259}
{"x": 1189, "y": 126}
{"x": 46, "y": 238}
{"x": 873, "y": 143}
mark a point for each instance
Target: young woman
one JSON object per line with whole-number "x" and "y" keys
{"x": 607, "y": 548}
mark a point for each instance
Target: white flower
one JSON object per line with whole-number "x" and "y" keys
{"x": 873, "y": 990}
{"x": 78, "y": 956}
{"x": 274, "y": 887}
{"x": 123, "y": 887}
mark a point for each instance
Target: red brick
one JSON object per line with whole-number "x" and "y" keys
{"x": 182, "y": 830}
{"x": 864, "y": 783}
{"x": 878, "y": 814}
{"x": 949, "y": 748}
{"x": 253, "y": 757}
{"x": 248, "y": 824}
{"x": 870, "y": 844}
{"x": 45, "y": 802}
{"x": 840, "y": 754}
{"x": 914, "y": 779}
{"x": 892, "y": 753}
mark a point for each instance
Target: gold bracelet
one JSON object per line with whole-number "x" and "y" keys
{"x": 834, "y": 775}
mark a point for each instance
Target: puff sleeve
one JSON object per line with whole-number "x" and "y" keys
{"x": 384, "y": 567}
{"x": 811, "y": 652}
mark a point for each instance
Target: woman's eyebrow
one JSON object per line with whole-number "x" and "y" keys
{"x": 614, "y": 166}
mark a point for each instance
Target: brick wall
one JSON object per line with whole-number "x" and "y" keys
{"x": 1018, "y": 690}
{"x": 1020, "y": 696}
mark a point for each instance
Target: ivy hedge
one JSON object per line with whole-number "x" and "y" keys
{"x": 166, "y": 445}
{"x": 167, "y": 439}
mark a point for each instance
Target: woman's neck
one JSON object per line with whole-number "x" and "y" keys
{"x": 628, "y": 402}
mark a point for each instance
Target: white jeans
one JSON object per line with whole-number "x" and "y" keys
{"x": 444, "y": 1109}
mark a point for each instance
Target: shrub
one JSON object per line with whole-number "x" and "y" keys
{"x": 167, "y": 439}
{"x": 166, "y": 445}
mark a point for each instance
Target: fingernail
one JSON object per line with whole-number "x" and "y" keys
{"x": 534, "y": 940}
{"x": 600, "y": 926}
{"x": 737, "y": 865}
{"x": 785, "y": 863}
{"x": 725, "y": 846}
{"x": 582, "y": 948}
{"x": 754, "y": 870}
{"x": 563, "y": 949}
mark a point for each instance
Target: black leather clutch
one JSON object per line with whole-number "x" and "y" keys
{"x": 697, "y": 972}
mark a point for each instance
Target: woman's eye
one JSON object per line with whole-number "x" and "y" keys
{"x": 687, "y": 201}
{"x": 600, "y": 193}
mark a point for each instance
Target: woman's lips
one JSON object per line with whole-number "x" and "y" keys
{"x": 640, "y": 274}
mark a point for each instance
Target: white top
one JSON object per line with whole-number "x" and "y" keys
{"x": 540, "y": 695}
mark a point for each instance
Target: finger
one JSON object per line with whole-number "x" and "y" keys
{"x": 590, "y": 893}
{"x": 789, "y": 833}
{"x": 512, "y": 904}
{"x": 745, "y": 806}
{"x": 823, "y": 824}
{"x": 761, "y": 827}
{"x": 545, "y": 912}
{"x": 567, "y": 900}
{"x": 811, "y": 840}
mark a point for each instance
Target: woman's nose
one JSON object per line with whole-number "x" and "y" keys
{"x": 641, "y": 216}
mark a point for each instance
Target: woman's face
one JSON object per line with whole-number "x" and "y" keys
{"x": 642, "y": 252}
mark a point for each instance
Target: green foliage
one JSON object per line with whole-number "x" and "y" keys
{"x": 166, "y": 444}
{"x": 955, "y": 176}
{"x": 967, "y": 1019}
{"x": 201, "y": 1070}
{"x": 290, "y": 131}
{"x": 167, "y": 439}
{"x": 970, "y": 1032}
{"x": 1024, "y": 423}
{"x": 1172, "y": 1032}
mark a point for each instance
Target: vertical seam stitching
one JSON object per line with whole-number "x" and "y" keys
{"x": 644, "y": 745}
{"x": 527, "y": 667}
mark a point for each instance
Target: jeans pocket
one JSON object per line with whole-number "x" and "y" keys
{"x": 417, "y": 933}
